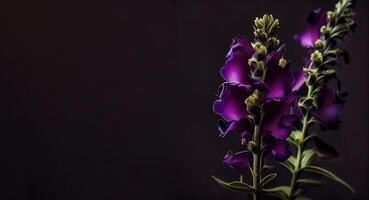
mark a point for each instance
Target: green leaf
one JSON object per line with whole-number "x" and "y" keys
{"x": 307, "y": 157}
{"x": 280, "y": 191}
{"x": 309, "y": 182}
{"x": 296, "y": 135}
{"x": 328, "y": 174}
{"x": 267, "y": 179}
{"x": 288, "y": 165}
{"x": 292, "y": 160}
{"x": 235, "y": 186}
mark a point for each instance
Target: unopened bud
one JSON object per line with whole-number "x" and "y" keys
{"x": 316, "y": 56}
{"x": 273, "y": 42}
{"x": 252, "y": 147}
{"x": 252, "y": 61}
{"x": 252, "y": 102}
{"x": 325, "y": 30}
{"x": 319, "y": 44}
{"x": 331, "y": 15}
{"x": 259, "y": 48}
{"x": 282, "y": 62}
{"x": 258, "y": 23}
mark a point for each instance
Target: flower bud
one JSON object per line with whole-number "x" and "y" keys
{"x": 325, "y": 30}
{"x": 252, "y": 102}
{"x": 273, "y": 42}
{"x": 282, "y": 62}
{"x": 252, "y": 61}
{"x": 331, "y": 15}
{"x": 259, "y": 48}
{"x": 252, "y": 147}
{"x": 316, "y": 56}
{"x": 319, "y": 44}
{"x": 258, "y": 23}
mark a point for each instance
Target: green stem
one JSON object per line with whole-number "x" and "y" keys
{"x": 300, "y": 149}
{"x": 256, "y": 164}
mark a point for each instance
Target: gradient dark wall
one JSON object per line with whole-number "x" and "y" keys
{"x": 112, "y": 99}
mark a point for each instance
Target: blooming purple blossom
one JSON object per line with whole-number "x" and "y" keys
{"x": 239, "y": 160}
{"x": 278, "y": 87}
{"x": 316, "y": 19}
{"x": 329, "y": 108}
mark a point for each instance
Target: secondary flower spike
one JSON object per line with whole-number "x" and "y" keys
{"x": 316, "y": 20}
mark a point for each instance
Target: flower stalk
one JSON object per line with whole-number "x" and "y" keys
{"x": 324, "y": 59}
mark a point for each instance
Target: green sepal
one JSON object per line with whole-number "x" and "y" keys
{"x": 328, "y": 174}
{"x": 267, "y": 179}
{"x": 308, "y": 156}
{"x": 292, "y": 160}
{"x": 235, "y": 186}
{"x": 296, "y": 135}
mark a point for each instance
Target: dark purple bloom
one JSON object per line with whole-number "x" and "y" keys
{"x": 316, "y": 19}
{"x": 240, "y": 160}
{"x": 236, "y": 68}
{"x": 279, "y": 80}
{"x": 277, "y": 120}
{"x": 232, "y": 108}
{"x": 329, "y": 108}
{"x": 231, "y": 103}
{"x": 280, "y": 149}
{"x": 299, "y": 80}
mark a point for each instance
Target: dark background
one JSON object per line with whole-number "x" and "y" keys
{"x": 113, "y": 99}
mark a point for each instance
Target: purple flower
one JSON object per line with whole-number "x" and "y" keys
{"x": 231, "y": 103}
{"x": 329, "y": 108}
{"x": 316, "y": 19}
{"x": 240, "y": 160}
{"x": 277, "y": 120}
{"x": 279, "y": 80}
{"x": 299, "y": 80}
{"x": 280, "y": 149}
{"x": 232, "y": 108}
{"x": 236, "y": 68}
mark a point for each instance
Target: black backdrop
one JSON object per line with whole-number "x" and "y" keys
{"x": 112, "y": 99}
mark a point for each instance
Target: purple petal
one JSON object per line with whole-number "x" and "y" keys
{"x": 231, "y": 104}
{"x": 288, "y": 120}
{"x": 328, "y": 110}
{"x": 279, "y": 80}
{"x": 299, "y": 80}
{"x": 243, "y": 126}
{"x": 280, "y": 149}
{"x": 316, "y": 19}
{"x": 240, "y": 160}
{"x": 240, "y": 45}
{"x": 236, "y": 68}
{"x": 276, "y": 116}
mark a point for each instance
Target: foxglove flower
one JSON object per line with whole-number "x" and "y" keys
{"x": 316, "y": 19}
{"x": 329, "y": 108}
{"x": 240, "y": 160}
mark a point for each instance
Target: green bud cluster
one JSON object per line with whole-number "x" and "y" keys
{"x": 253, "y": 102}
{"x": 264, "y": 31}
